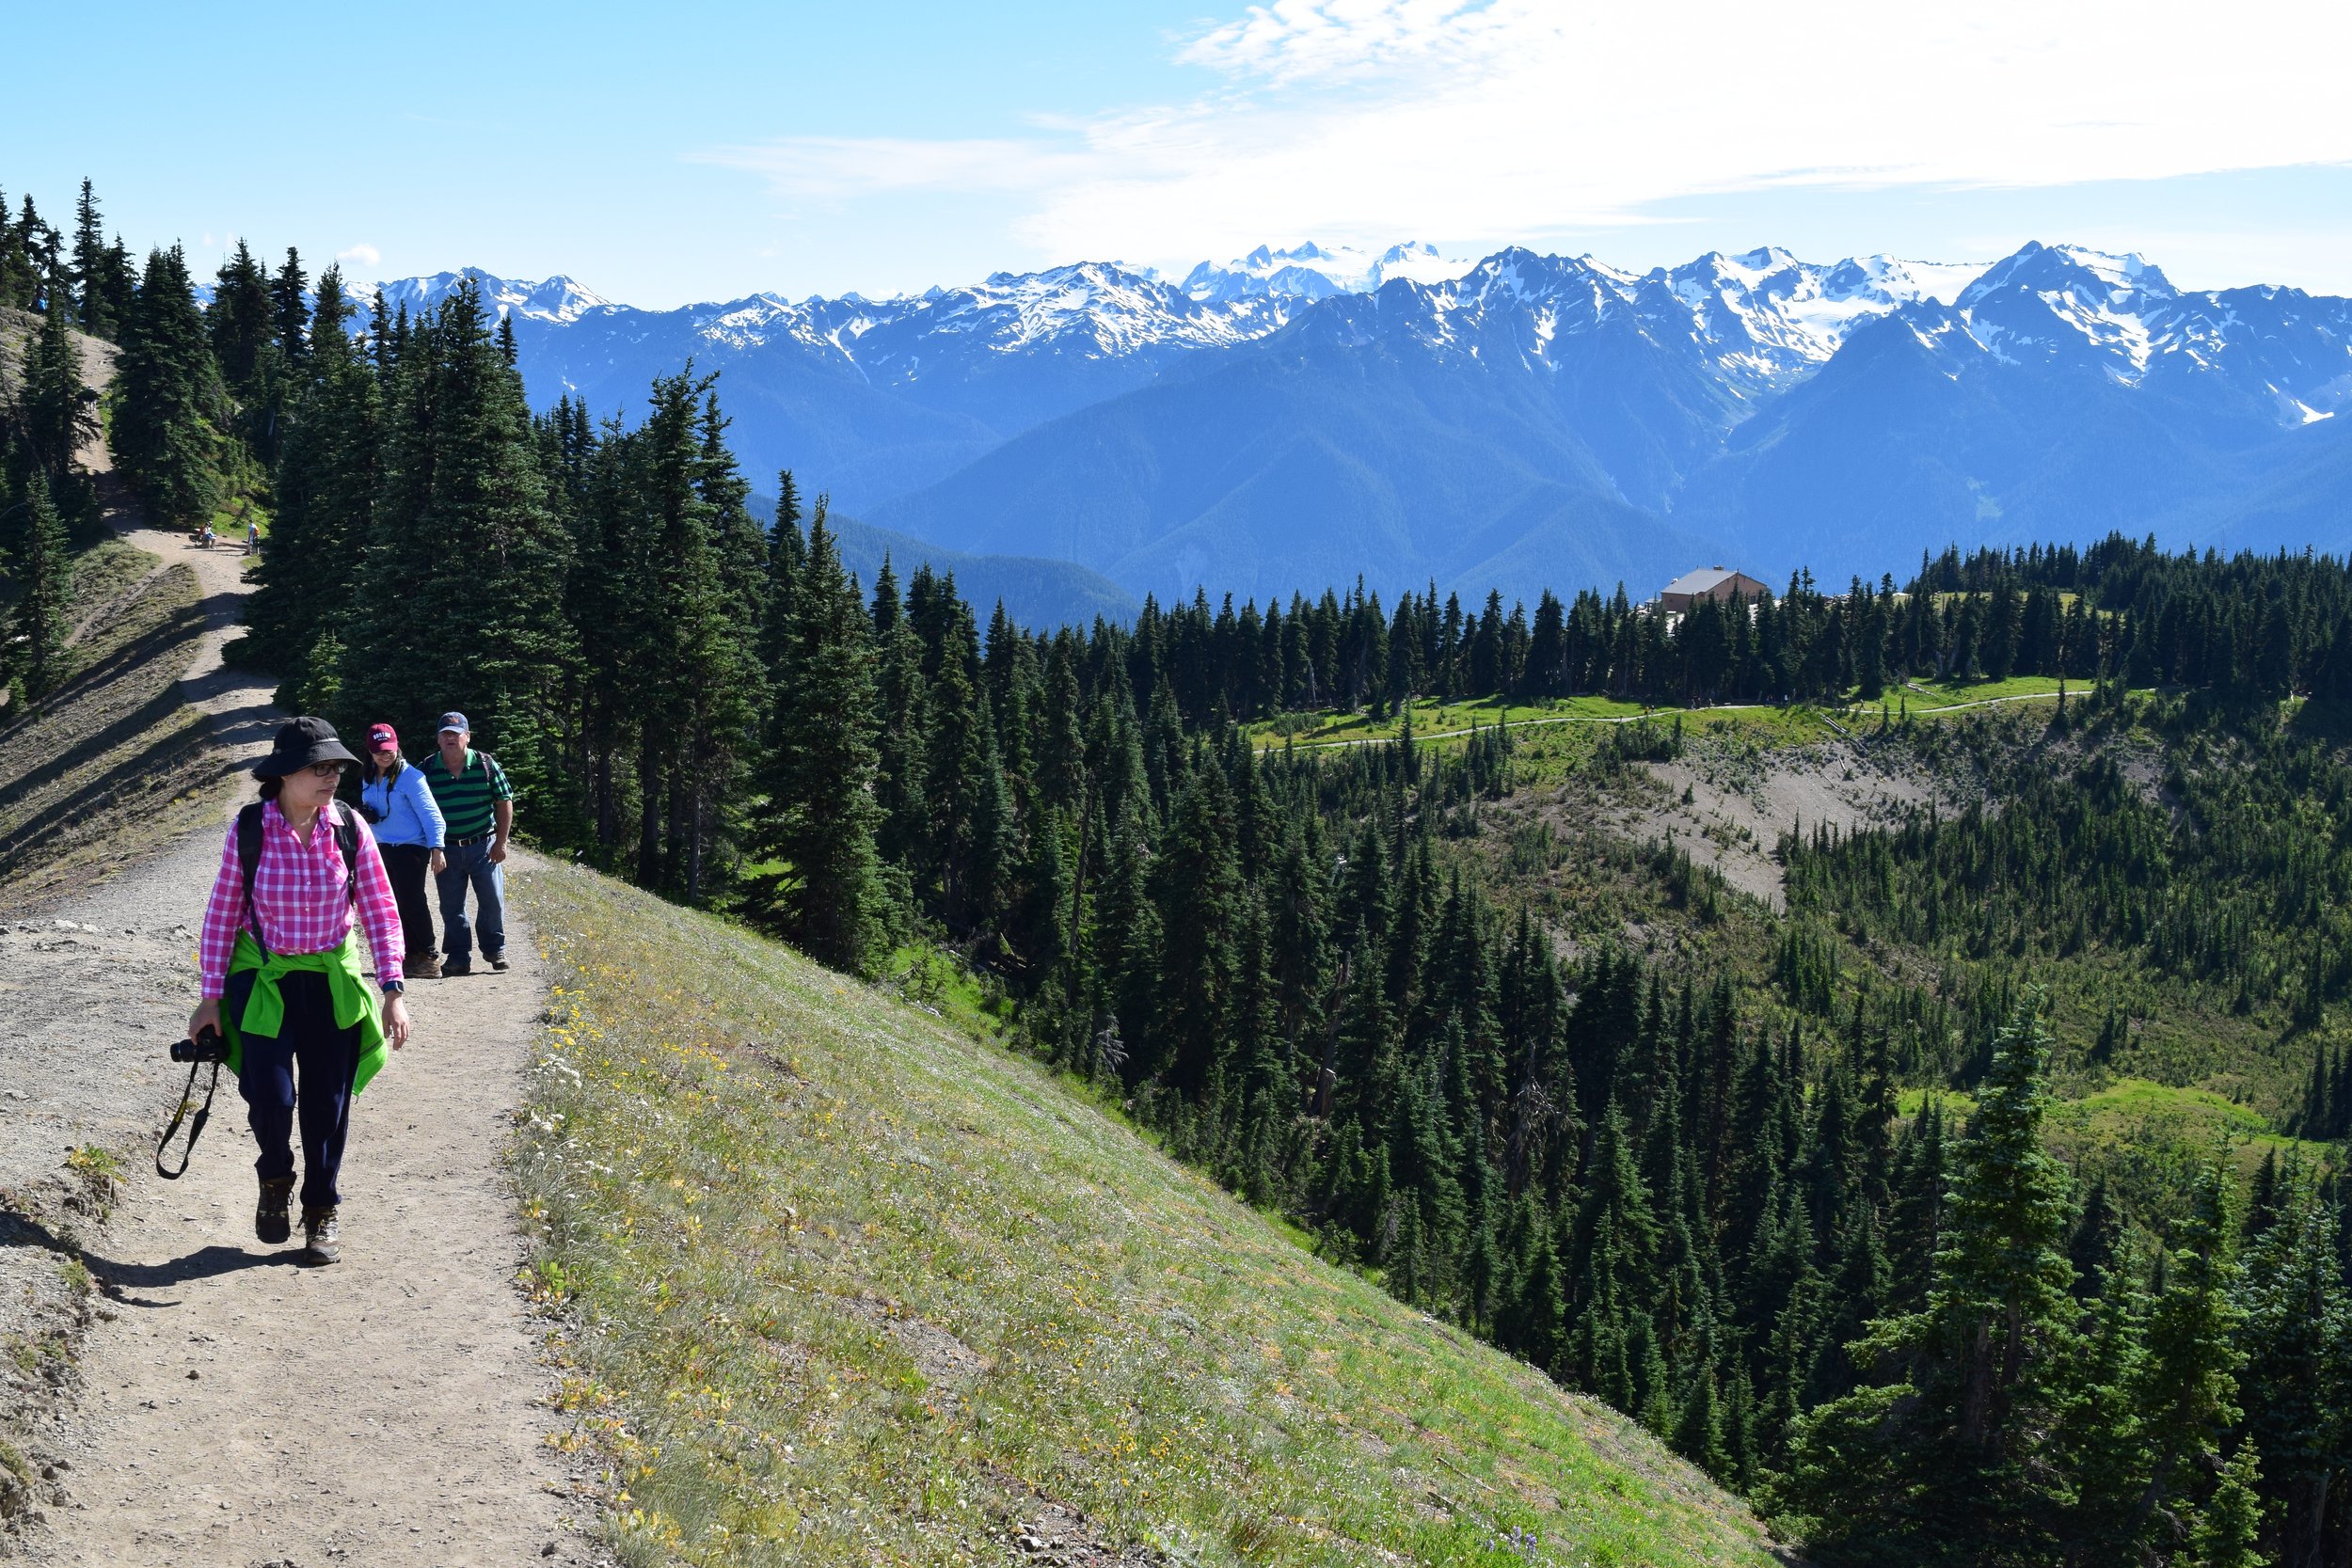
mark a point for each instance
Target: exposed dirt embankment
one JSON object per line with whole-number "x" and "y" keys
{"x": 1727, "y": 800}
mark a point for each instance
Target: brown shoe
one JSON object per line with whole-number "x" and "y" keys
{"x": 321, "y": 1236}
{"x": 427, "y": 968}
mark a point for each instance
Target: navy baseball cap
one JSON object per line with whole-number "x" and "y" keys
{"x": 456, "y": 721}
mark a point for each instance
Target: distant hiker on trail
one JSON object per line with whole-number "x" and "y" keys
{"x": 253, "y": 536}
{"x": 477, "y": 812}
{"x": 395, "y": 798}
{"x": 277, "y": 942}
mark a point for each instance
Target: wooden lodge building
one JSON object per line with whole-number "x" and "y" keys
{"x": 1710, "y": 582}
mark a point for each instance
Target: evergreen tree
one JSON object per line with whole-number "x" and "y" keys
{"x": 818, "y": 775}
{"x": 2187, "y": 1396}
{"x": 169, "y": 401}
{"x": 290, "y": 311}
{"x": 1197, "y": 892}
{"x": 462, "y": 580}
{"x": 2230, "y": 1526}
{"x": 94, "y": 300}
{"x": 1938, "y": 1463}
{"x": 241, "y": 321}
{"x": 56, "y": 414}
{"x": 43, "y": 573}
{"x": 2294, "y": 1333}
{"x": 326, "y": 486}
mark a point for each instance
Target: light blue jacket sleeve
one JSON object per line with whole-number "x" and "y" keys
{"x": 428, "y": 810}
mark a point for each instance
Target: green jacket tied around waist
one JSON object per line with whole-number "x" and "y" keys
{"x": 353, "y": 1000}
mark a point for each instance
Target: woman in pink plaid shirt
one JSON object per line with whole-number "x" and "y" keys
{"x": 287, "y": 956}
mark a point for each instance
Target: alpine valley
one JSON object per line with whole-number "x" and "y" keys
{"x": 1299, "y": 417}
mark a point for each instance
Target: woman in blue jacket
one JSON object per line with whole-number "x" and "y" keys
{"x": 408, "y": 830}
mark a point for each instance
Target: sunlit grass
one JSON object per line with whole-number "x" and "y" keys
{"x": 1432, "y": 719}
{"x": 847, "y": 1285}
{"x": 1925, "y": 696}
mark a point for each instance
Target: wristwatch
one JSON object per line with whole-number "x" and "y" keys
{"x": 393, "y": 987}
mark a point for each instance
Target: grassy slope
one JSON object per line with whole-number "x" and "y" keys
{"x": 115, "y": 763}
{"x": 851, "y": 1287}
{"x": 1553, "y": 720}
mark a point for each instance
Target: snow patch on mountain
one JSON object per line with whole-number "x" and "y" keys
{"x": 1312, "y": 271}
{"x": 557, "y": 299}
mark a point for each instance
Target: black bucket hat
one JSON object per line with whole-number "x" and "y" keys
{"x": 300, "y": 744}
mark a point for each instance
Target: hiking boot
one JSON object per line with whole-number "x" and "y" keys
{"x": 498, "y": 962}
{"x": 452, "y": 968}
{"x": 270, "y": 1223}
{"x": 321, "y": 1236}
{"x": 427, "y": 968}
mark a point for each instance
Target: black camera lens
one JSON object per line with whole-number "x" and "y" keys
{"x": 206, "y": 1047}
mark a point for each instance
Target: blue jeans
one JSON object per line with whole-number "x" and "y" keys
{"x": 468, "y": 866}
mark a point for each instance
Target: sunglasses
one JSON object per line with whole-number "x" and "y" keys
{"x": 324, "y": 769}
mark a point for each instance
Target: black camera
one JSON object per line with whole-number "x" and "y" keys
{"x": 207, "y": 1046}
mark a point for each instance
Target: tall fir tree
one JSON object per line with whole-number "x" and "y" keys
{"x": 1938, "y": 1463}
{"x": 43, "y": 572}
{"x": 818, "y": 775}
{"x": 93, "y": 299}
{"x": 462, "y": 579}
{"x": 170, "y": 406}
{"x": 326, "y": 486}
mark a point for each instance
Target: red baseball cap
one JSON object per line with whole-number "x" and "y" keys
{"x": 382, "y": 735}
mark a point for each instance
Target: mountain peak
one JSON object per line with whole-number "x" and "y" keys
{"x": 2047, "y": 269}
{"x": 560, "y": 298}
{"x": 1311, "y": 270}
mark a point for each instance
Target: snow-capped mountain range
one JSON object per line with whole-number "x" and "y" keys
{"x": 1762, "y": 318}
{"x": 1294, "y": 416}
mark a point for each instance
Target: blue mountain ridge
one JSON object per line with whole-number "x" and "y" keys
{"x": 1533, "y": 422}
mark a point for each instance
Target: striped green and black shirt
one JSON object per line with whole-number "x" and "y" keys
{"x": 468, "y": 802}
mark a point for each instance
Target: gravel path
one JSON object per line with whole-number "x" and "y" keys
{"x": 241, "y": 1409}
{"x": 201, "y": 1399}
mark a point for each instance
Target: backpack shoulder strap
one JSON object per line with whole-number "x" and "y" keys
{"x": 347, "y": 841}
{"x": 249, "y": 845}
{"x": 249, "y": 858}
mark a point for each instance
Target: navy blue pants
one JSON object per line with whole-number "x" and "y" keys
{"x": 327, "y": 1059}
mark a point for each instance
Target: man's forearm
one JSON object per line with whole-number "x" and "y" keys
{"x": 504, "y": 811}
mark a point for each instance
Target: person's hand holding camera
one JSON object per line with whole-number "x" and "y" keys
{"x": 207, "y": 1016}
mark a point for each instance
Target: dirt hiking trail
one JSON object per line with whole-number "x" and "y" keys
{"x": 236, "y": 700}
{"x": 242, "y": 1409}
{"x": 203, "y": 1399}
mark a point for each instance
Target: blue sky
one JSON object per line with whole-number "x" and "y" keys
{"x": 706, "y": 150}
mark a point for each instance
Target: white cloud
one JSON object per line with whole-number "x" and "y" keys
{"x": 1474, "y": 119}
{"x": 361, "y": 255}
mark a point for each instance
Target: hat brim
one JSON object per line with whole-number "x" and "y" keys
{"x": 278, "y": 764}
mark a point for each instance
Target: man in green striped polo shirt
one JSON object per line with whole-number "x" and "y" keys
{"x": 479, "y": 808}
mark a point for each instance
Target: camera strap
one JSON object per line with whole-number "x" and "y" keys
{"x": 196, "y": 1128}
